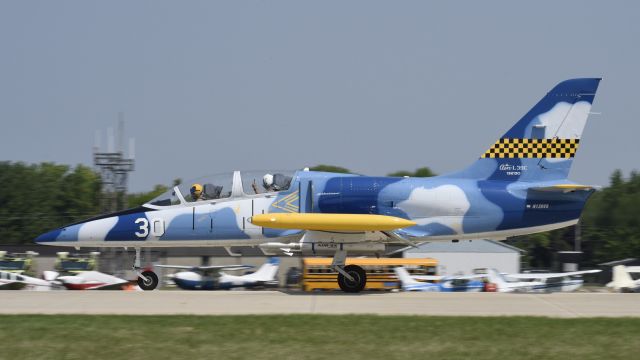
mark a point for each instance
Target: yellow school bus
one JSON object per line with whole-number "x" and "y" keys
{"x": 317, "y": 273}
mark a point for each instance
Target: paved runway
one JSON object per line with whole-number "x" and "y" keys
{"x": 275, "y": 302}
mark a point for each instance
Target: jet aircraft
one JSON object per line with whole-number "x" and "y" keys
{"x": 518, "y": 186}
{"x": 213, "y": 277}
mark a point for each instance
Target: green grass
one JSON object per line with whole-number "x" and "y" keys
{"x": 315, "y": 337}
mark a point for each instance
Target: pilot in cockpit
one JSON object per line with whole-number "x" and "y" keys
{"x": 196, "y": 192}
{"x": 206, "y": 192}
{"x": 268, "y": 184}
{"x": 276, "y": 182}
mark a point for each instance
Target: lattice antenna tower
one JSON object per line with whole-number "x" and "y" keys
{"x": 114, "y": 167}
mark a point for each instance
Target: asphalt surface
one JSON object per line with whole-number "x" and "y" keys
{"x": 275, "y": 302}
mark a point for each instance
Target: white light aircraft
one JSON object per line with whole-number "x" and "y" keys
{"x": 540, "y": 282}
{"x": 622, "y": 280}
{"x": 92, "y": 280}
{"x": 213, "y": 277}
{"x": 12, "y": 281}
{"x": 409, "y": 283}
{"x": 463, "y": 283}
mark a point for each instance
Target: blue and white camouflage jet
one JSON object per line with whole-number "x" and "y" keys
{"x": 518, "y": 186}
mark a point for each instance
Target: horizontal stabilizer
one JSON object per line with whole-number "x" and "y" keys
{"x": 330, "y": 222}
{"x": 564, "y": 188}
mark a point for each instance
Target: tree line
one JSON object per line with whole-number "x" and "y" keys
{"x": 40, "y": 197}
{"x": 35, "y": 198}
{"x": 609, "y": 227}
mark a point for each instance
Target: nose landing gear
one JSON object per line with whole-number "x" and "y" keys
{"x": 147, "y": 280}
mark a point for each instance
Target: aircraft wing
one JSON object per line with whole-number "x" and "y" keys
{"x": 564, "y": 188}
{"x": 551, "y": 275}
{"x": 330, "y": 222}
{"x": 428, "y": 277}
{"x": 206, "y": 268}
{"x": 454, "y": 277}
{"x": 633, "y": 269}
{"x": 466, "y": 277}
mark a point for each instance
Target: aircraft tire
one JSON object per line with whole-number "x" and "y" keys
{"x": 151, "y": 282}
{"x": 358, "y": 274}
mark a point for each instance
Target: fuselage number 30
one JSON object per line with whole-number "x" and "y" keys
{"x": 156, "y": 227}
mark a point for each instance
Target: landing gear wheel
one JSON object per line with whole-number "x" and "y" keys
{"x": 149, "y": 281}
{"x": 359, "y": 279}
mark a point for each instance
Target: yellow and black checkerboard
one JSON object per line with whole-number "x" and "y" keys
{"x": 533, "y": 148}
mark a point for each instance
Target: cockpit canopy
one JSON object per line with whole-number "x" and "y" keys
{"x": 226, "y": 185}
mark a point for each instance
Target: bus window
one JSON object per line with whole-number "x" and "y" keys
{"x": 317, "y": 273}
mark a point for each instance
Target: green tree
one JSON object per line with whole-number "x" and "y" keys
{"x": 401, "y": 173}
{"x": 610, "y": 227}
{"x": 330, "y": 168}
{"x": 41, "y": 197}
{"x": 138, "y": 199}
{"x": 420, "y": 172}
{"x": 611, "y": 220}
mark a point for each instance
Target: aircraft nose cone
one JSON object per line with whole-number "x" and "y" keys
{"x": 48, "y": 237}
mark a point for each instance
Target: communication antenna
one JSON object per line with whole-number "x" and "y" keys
{"x": 114, "y": 167}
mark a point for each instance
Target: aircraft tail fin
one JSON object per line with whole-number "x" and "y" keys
{"x": 621, "y": 278}
{"x": 542, "y": 144}
{"x": 496, "y": 278}
{"x": 266, "y": 272}
{"x": 404, "y": 277}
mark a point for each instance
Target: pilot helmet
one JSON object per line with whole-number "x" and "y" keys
{"x": 267, "y": 180}
{"x": 196, "y": 191}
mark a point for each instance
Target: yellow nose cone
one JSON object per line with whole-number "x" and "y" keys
{"x": 330, "y": 222}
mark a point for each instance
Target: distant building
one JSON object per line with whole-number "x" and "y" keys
{"x": 464, "y": 256}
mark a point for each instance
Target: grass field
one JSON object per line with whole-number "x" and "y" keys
{"x": 315, "y": 337}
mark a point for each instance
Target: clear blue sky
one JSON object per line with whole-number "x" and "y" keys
{"x": 373, "y": 86}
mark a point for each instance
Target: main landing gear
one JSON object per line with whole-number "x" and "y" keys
{"x": 351, "y": 278}
{"x": 147, "y": 280}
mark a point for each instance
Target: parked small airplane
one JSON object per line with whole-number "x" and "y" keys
{"x": 553, "y": 282}
{"x": 213, "y": 277}
{"x": 541, "y": 282}
{"x": 465, "y": 283}
{"x": 13, "y": 281}
{"x": 622, "y": 280}
{"x": 518, "y": 186}
{"x": 91, "y": 280}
